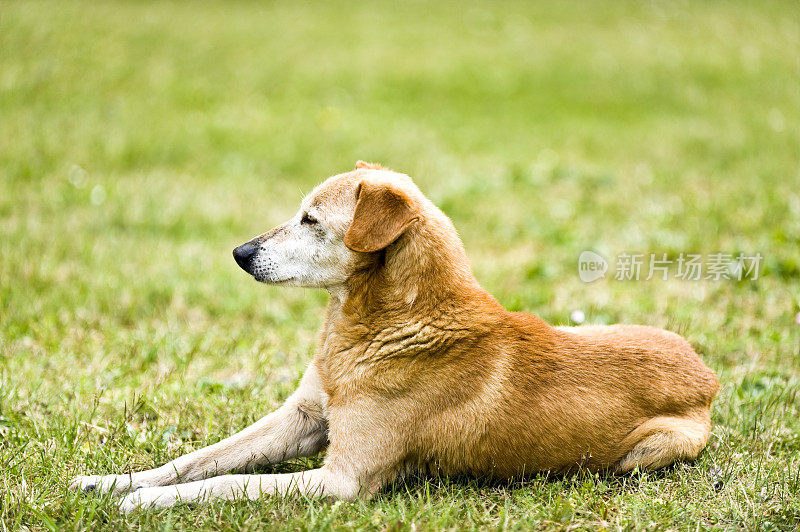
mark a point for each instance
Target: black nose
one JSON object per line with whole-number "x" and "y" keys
{"x": 244, "y": 255}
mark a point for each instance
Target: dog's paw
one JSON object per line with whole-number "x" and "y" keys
{"x": 101, "y": 483}
{"x": 145, "y": 498}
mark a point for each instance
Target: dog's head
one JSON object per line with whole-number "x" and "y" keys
{"x": 339, "y": 228}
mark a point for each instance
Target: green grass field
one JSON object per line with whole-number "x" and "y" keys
{"x": 140, "y": 142}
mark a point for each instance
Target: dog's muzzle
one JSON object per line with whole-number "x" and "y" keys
{"x": 244, "y": 254}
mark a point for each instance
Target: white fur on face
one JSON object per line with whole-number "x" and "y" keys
{"x": 303, "y": 254}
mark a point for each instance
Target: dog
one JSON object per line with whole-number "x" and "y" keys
{"x": 419, "y": 368}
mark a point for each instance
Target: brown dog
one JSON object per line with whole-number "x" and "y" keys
{"x": 419, "y": 367}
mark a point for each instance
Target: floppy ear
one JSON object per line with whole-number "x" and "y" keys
{"x": 361, "y": 165}
{"x": 382, "y": 214}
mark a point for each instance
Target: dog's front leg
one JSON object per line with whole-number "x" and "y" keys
{"x": 298, "y": 428}
{"x": 322, "y": 482}
{"x": 364, "y": 455}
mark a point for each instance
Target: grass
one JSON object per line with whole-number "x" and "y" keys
{"x": 140, "y": 142}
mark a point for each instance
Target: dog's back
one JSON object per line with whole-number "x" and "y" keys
{"x": 682, "y": 380}
{"x": 544, "y": 398}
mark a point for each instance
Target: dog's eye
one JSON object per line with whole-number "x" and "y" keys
{"x": 308, "y": 220}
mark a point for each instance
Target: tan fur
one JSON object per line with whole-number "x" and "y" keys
{"x": 418, "y": 367}
{"x": 382, "y": 214}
